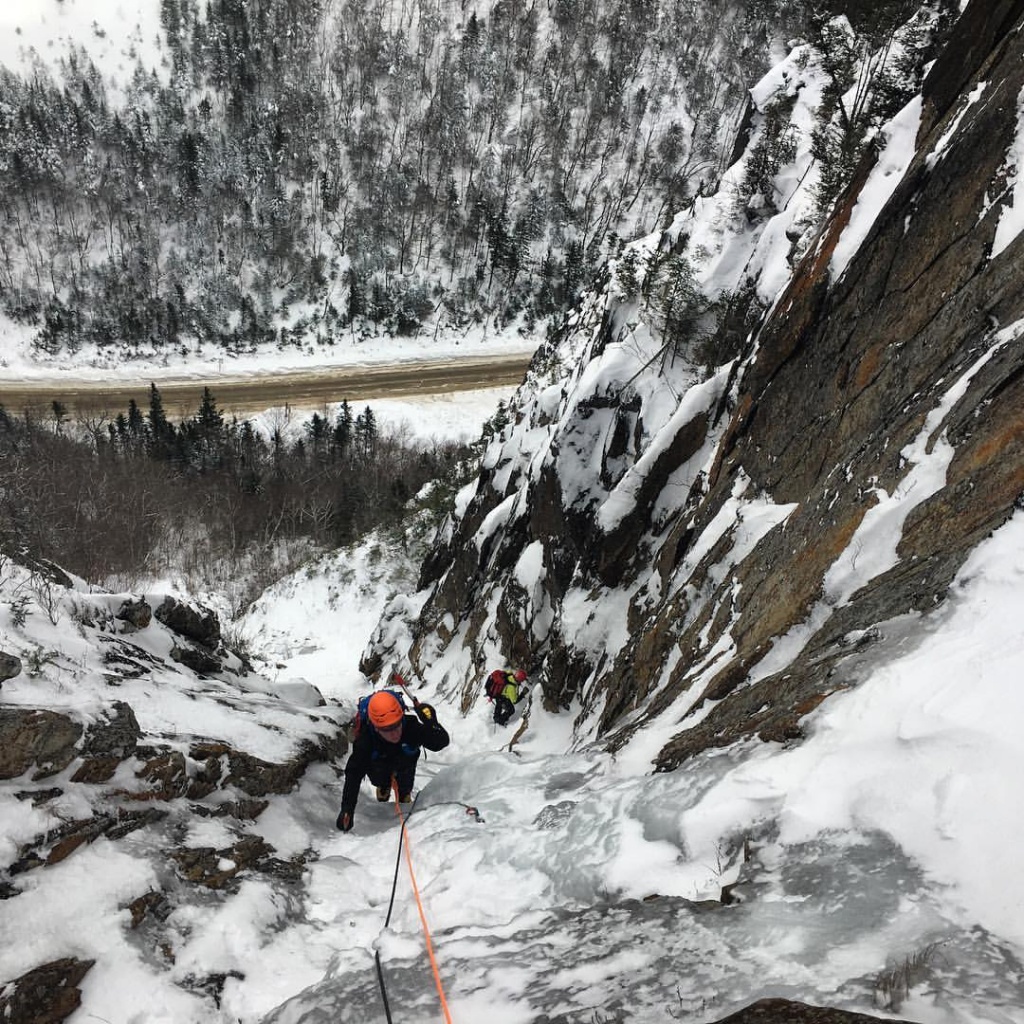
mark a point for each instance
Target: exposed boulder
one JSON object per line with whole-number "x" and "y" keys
{"x": 126, "y": 660}
{"x": 259, "y": 778}
{"x": 136, "y": 614}
{"x": 211, "y": 765}
{"x": 57, "y": 844}
{"x": 115, "y": 734}
{"x": 211, "y": 985}
{"x": 196, "y": 658}
{"x": 786, "y": 1011}
{"x": 36, "y": 737}
{"x": 166, "y": 775}
{"x": 45, "y": 995}
{"x": 10, "y": 666}
{"x": 240, "y": 810}
{"x": 39, "y": 797}
{"x": 192, "y": 621}
{"x": 107, "y": 743}
{"x": 150, "y": 905}
{"x": 218, "y": 869}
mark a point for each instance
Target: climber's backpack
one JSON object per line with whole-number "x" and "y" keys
{"x": 496, "y": 682}
{"x": 362, "y": 719}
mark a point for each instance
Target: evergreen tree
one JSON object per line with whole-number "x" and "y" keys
{"x": 209, "y": 418}
{"x": 572, "y": 273}
{"x": 365, "y": 435}
{"x": 341, "y": 437}
{"x": 356, "y": 295}
{"x": 317, "y": 432}
{"x": 162, "y": 434}
{"x": 136, "y": 424}
{"x": 205, "y": 436}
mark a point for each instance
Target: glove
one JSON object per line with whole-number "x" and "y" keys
{"x": 426, "y": 713}
{"x": 344, "y": 821}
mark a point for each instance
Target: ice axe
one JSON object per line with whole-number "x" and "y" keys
{"x": 424, "y": 712}
{"x": 396, "y": 677}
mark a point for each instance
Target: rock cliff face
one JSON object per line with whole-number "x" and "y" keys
{"x": 725, "y": 546}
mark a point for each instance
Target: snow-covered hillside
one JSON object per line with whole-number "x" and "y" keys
{"x": 771, "y": 612}
{"x": 878, "y": 854}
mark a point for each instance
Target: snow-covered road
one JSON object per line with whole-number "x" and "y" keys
{"x": 248, "y": 394}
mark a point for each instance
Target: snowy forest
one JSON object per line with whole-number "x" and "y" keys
{"x": 214, "y": 498}
{"x": 292, "y": 167}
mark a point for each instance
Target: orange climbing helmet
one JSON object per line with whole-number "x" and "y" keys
{"x": 384, "y": 710}
{"x": 520, "y": 676}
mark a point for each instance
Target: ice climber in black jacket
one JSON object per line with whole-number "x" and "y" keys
{"x": 387, "y": 746}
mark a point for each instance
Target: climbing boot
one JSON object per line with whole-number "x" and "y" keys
{"x": 383, "y": 794}
{"x": 405, "y": 798}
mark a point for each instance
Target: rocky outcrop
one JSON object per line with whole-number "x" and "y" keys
{"x": 107, "y": 743}
{"x": 786, "y": 1011}
{"x": 10, "y": 666}
{"x": 126, "y": 660}
{"x": 135, "y": 613}
{"x": 199, "y": 645}
{"x": 47, "y": 994}
{"x": 51, "y": 743}
{"x": 141, "y": 758}
{"x": 197, "y": 658}
{"x": 191, "y": 621}
{"x": 884, "y": 353}
{"x": 219, "y": 869}
{"x": 58, "y": 844}
{"x": 36, "y": 738}
{"x": 256, "y": 778}
{"x": 846, "y": 377}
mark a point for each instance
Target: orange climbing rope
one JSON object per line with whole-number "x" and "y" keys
{"x": 419, "y": 906}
